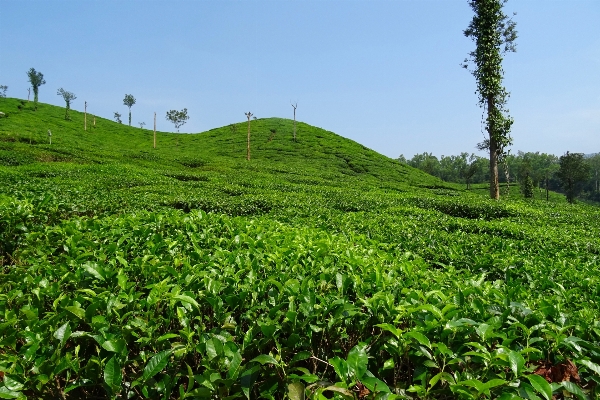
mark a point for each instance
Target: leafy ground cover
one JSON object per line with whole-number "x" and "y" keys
{"x": 317, "y": 269}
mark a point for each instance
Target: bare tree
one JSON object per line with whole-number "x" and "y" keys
{"x": 295, "y": 105}
{"x": 141, "y": 124}
{"x": 248, "y": 115}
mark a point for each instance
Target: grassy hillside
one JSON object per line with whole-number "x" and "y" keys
{"x": 186, "y": 271}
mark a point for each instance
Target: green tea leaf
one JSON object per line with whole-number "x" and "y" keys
{"x": 516, "y": 362}
{"x": 340, "y": 367}
{"x": 13, "y": 383}
{"x": 94, "y": 270}
{"x": 6, "y": 393}
{"x": 112, "y": 374}
{"x": 77, "y": 311}
{"x": 576, "y": 390}
{"x": 594, "y": 367}
{"x": 541, "y": 385}
{"x": 422, "y": 339}
{"x": 186, "y": 299}
{"x": 375, "y": 385}
{"x": 265, "y": 359}
{"x": 390, "y": 328}
{"x": 296, "y": 391}
{"x": 234, "y": 366}
{"x": 358, "y": 360}
{"x": 115, "y": 346}
{"x": 63, "y": 333}
{"x": 156, "y": 364}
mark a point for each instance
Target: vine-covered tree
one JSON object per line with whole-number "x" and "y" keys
{"x": 129, "y": 101}
{"x": 36, "y": 79}
{"x": 178, "y": 118}
{"x": 68, "y": 97}
{"x": 573, "y": 171}
{"x": 494, "y": 35}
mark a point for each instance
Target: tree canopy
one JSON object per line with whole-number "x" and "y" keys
{"x": 36, "y": 79}
{"x": 178, "y": 118}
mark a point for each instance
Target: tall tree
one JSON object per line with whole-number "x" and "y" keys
{"x": 494, "y": 34}
{"x": 573, "y": 171}
{"x": 129, "y": 101}
{"x": 178, "y": 118}
{"x": 36, "y": 79}
{"x": 68, "y": 97}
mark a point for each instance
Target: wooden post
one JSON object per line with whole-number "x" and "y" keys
{"x": 155, "y": 130}
{"x": 249, "y": 115}
{"x": 85, "y": 116}
{"x": 295, "y": 105}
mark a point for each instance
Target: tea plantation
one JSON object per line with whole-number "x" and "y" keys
{"x": 318, "y": 269}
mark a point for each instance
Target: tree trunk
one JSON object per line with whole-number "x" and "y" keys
{"x": 248, "y": 143}
{"x": 154, "y": 130}
{"x": 494, "y": 187}
{"x": 85, "y": 117}
{"x": 130, "y": 117}
{"x": 294, "y": 124}
{"x": 507, "y": 175}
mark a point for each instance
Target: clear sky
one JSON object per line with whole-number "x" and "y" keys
{"x": 383, "y": 73}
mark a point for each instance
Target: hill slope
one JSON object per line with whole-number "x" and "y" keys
{"x": 317, "y": 260}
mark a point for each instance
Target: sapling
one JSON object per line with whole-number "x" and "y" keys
{"x": 67, "y": 97}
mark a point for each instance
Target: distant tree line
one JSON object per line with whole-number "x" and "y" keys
{"x": 574, "y": 174}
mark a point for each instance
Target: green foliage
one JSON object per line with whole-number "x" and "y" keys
{"x": 36, "y": 79}
{"x": 527, "y": 187}
{"x": 319, "y": 269}
{"x": 68, "y": 97}
{"x": 3, "y": 89}
{"x": 573, "y": 171}
{"x": 178, "y": 118}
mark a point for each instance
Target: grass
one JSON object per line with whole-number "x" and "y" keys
{"x": 186, "y": 271}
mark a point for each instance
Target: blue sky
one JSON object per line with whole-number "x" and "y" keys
{"x": 383, "y": 73}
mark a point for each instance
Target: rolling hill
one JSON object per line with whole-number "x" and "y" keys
{"x": 187, "y": 271}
